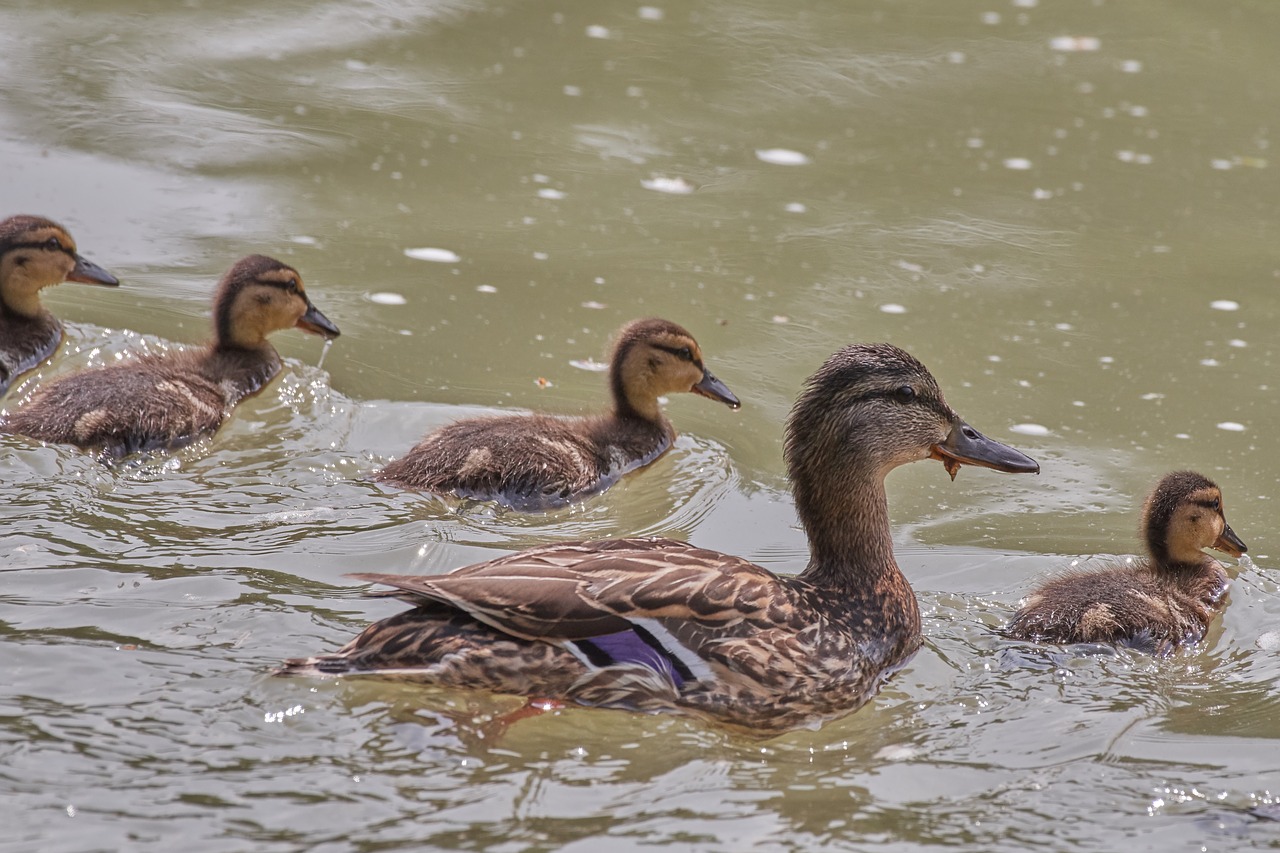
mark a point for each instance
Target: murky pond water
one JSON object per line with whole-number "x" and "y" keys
{"x": 1067, "y": 210}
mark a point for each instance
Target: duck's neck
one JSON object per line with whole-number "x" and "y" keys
{"x": 847, "y": 521}
{"x": 632, "y": 406}
{"x": 16, "y": 300}
{"x": 1182, "y": 569}
{"x": 226, "y": 338}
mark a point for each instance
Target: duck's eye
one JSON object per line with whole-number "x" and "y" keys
{"x": 685, "y": 353}
{"x": 904, "y": 394}
{"x": 53, "y": 244}
{"x": 293, "y": 285}
{"x": 1217, "y": 504}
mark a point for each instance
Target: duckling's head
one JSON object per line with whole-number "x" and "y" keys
{"x": 1184, "y": 515}
{"x": 35, "y": 253}
{"x": 258, "y": 296}
{"x": 871, "y": 408}
{"x": 655, "y": 357}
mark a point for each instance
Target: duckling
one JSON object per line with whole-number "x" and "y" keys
{"x": 1156, "y": 604}
{"x": 660, "y": 625}
{"x": 536, "y": 462}
{"x": 35, "y": 253}
{"x": 165, "y": 401}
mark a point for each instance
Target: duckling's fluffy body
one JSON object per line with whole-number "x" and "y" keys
{"x": 35, "y": 253}
{"x": 656, "y": 624}
{"x": 1155, "y": 604}
{"x": 165, "y": 401}
{"x": 534, "y": 462}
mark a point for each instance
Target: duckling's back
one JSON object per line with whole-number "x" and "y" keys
{"x": 154, "y": 402}
{"x": 1122, "y": 604}
{"x": 528, "y": 462}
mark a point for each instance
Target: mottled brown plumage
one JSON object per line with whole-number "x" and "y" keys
{"x": 35, "y": 253}
{"x": 659, "y": 625}
{"x": 1155, "y": 604}
{"x": 165, "y": 401}
{"x": 536, "y": 462}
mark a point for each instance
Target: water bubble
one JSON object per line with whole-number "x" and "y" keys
{"x": 1231, "y": 426}
{"x": 893, "y": 308}
{"x": 1224, "y": 305}
{"x": 1029, "y": 429}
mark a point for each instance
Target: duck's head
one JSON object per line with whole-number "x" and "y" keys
{"x": 36, "y": 253}
{"x": 1182, "y": 516}
{"x": 873, "y": 407}
{"x": 260, "y": 295}
{"x": 655, "y": 357}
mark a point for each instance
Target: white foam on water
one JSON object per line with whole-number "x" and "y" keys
{"x": 437, "y": 256}
{"x": 782, "y": 157}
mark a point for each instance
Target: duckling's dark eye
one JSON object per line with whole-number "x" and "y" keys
{"x": 684, "y": 353}
{"x": 53, "y": 244}
{"x": 904, "y": 394}
{"x": 291, "y": 285}
{"x": 1217, "y": 504}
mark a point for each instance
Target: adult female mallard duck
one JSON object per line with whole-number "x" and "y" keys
{"x": 536, "y": 462}
{"x": 1155, "y": 604}
{"x": 35, "y": 253}
{"x": 655, "y": 624}
{"x": 165, "y": 401}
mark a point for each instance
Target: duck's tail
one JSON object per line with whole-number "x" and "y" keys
{"x": 320, "y": 666}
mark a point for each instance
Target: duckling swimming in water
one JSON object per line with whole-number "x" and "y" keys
{"x": 35, "y": 253}
{"x": 1159, "y": 603}
{"x": 536, "y": 462}
{"x": 165, "y": 401}
{"x": 659, "y": 625}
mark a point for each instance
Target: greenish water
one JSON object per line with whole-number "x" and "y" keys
{"x": 1067, "y": 210}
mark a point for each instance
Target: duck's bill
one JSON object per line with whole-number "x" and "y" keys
{"x": 317, "y": 324}
{"x": 1230, "y": 543}
{"x": 87, "y": 272}
{"x": 966, "y": 446}
{"x": 716, "y": 390}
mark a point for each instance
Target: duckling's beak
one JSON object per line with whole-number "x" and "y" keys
{"x": 711, "y": 387}
{"x": 1230, "y": 543}
{"x": 316, "y": 323}
{"x": 964, "y": 445}
{"x": 87, "y": 272}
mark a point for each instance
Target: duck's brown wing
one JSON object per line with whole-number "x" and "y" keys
{"x": 571, "y": 591}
